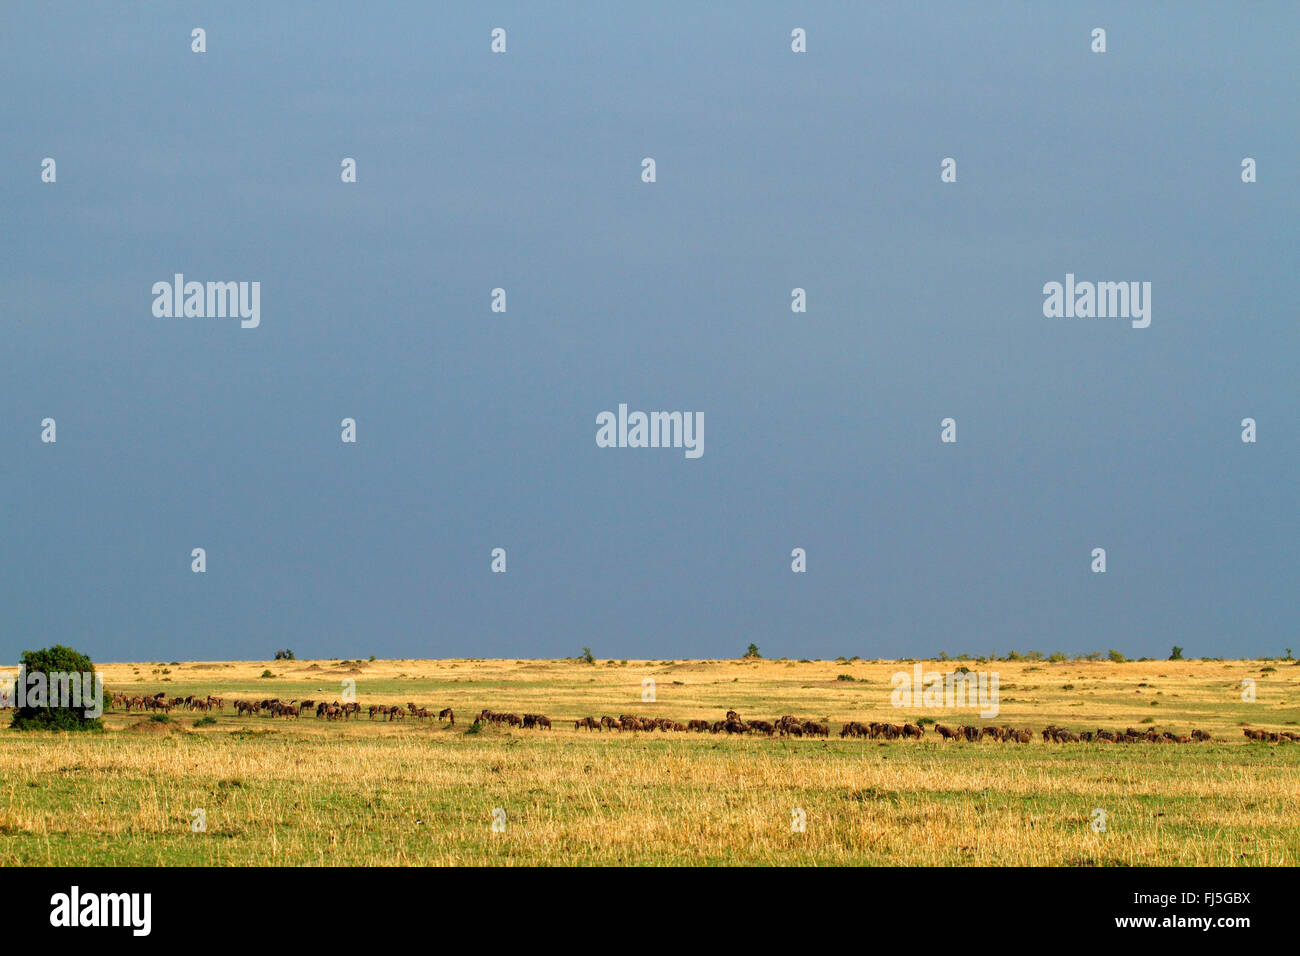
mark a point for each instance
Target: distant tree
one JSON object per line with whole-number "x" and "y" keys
{"x": 58, "y": 660}
{"x": 1116, "y": 656}
{"x": 285, "y": 655}
{"x": 1176, "y": 654}
{"x": 752, "y": 651}
{"x": 587, "y": 656}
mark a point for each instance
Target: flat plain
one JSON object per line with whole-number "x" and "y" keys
{"x": 309, "y": 791}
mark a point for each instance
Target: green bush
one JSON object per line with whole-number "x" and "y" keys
{"x": 56, "y": 659}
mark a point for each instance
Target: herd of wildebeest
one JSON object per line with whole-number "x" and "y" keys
{"x": 733, "y": 723}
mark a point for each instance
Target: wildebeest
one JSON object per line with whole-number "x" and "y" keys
{"x": 789, "y": 724}
{"x": 448, "y": 715}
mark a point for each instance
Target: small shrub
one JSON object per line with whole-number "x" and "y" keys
{"x": 56, "y": 660}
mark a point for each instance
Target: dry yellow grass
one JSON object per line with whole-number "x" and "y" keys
{"x": 371, "y": 793}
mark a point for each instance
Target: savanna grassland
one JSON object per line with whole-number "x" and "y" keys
{"x": 362, "y": 792}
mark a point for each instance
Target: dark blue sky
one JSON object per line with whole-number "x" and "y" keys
{"x": 477, "y": 430}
